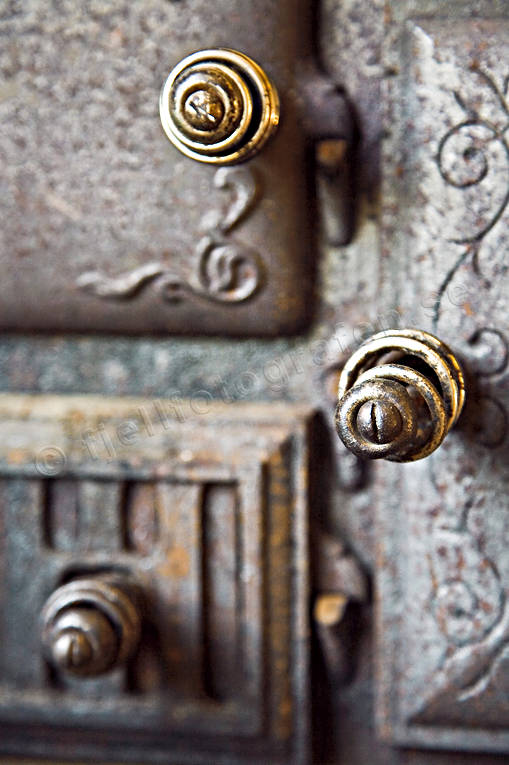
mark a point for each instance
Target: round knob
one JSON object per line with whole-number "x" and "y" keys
{"x": 399, "y": 395}
{"x": 379, "y": 421}
{"x": 90, "y": 626}
{"x": 219, "y": 106}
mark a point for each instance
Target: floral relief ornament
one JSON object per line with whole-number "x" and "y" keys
{"x": 468, "y": 153}
{"x": 469, "y": 602}
{"x": 226, "y": 271}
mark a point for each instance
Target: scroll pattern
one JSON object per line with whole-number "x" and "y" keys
{"x": 471, "y": 153}
{"x": 226, "y": 271}
{"x": 469, "y": 601}
{"x": 464, "y": 161}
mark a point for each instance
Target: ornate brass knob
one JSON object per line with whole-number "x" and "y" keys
{"x": 90, "y": 626}
{"x": 399, "y": 395}
{"x": 219, "y": 106}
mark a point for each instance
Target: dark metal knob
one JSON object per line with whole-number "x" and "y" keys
{"x": 399, "y": 395}
{"x": 219, "y": 106}
{"x": 90, "y": 626}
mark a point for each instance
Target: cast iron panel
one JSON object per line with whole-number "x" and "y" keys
{"x": 105, "y": 226}
{"x": 444, "y": 523}
{"x": 206, "y": 506}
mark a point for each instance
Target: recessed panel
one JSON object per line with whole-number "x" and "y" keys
{"x": 208, "y": 513}
{"x": 105, "y": 225}
{"x": 443, "y": 529}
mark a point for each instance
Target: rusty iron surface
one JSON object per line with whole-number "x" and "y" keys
{"x": 106, "y": 226}
{"x": 442, "y": 563}
{"x": 351, "y": 302}
{"x": 269, "y": 370}
{"x": 208, "y": 513}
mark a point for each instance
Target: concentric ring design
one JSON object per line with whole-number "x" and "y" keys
{"x": 412, "y": 371}
{"x": 105, "y": 599}
{"x": 246, "y": 106}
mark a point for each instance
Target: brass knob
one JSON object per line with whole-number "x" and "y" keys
{"x": 90, "y": 626}
{"x": 219, "y": 106}
{"x": 399, "y": 395}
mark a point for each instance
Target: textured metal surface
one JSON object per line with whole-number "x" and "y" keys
{"x": 209, "y": 513}
{"x": 443, "y": 563}
{"x": 349, "y": 306}
{"x": 225, "y": 370}
{"x": 106, "y": 227}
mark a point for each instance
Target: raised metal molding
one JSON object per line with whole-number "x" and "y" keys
{"x": 225, "y": 271}
{"x": 106, "y": 227}
{"x": 443, "y": 568}
{"x": 206, "y": 506}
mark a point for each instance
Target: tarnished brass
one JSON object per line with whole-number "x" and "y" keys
{"x": 399, "y": 395}
{"x": 219, "y": 106}
{"x": 90, "y": 626}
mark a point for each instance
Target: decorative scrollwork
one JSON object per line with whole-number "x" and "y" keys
{"x": 471, "y": 611}
{"x": 463, "y": 161}
{"x": 473, "y": 158}
{"x": 469, "y": 598}
{"x": 226, "y": 271}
